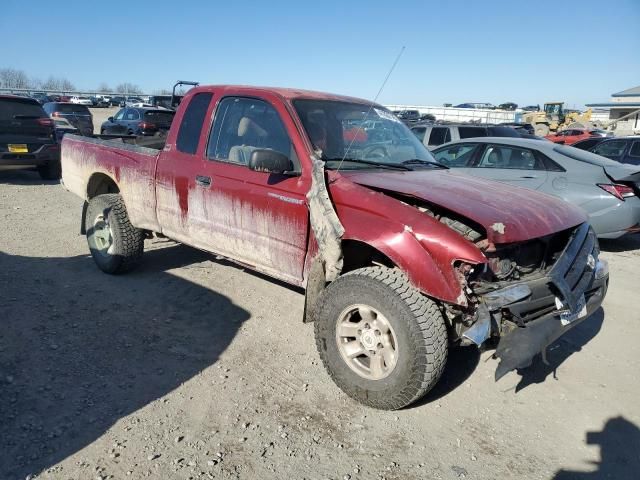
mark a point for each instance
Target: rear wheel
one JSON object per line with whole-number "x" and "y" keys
{"x": 381, "y": 341}
{"x": 116, "y": 246}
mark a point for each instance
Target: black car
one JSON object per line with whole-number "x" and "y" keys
{"x": 27, "y": 137}
{"x": 42, "y": 98}
{"x": 77, "y": 115}
{"x": 139, "y": 121}
{"x": 621, "y": 149}
{"x": 117, "y": 101}
{"x": 508, "y": 106}
{"x": 588, "y": 143}
{"x": 409, "y": 117}
{"x": 521, "y": 127}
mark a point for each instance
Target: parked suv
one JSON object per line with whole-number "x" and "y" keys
{"x": 77, "y": 115}
{"x": 623, "y": 149}
{"x": 27, "y": 137}
{"x": 138, "y": 121}
{"x": 433, "y": 136}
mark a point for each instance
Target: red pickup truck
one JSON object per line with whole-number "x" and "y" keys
{"x": 400, "y": 257}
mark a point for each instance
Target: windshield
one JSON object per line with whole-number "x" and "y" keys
{"x": 359, "y": 133}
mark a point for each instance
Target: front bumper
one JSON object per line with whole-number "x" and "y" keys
{"x": 542, "y": 309}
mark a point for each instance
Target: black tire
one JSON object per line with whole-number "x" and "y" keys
{"x": 50, "y": 171}
{"x": 126, "y": 243}
{"x": 418, "y": 324}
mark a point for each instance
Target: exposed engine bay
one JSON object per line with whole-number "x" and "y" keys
{"x": 528, "y": 293}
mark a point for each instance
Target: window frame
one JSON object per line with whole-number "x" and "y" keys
{"x": 476, "y": 148}
{"x": 211, "y": 96}
{"x": 536, "y": 158}
{"x": 633, "y": 144}
{"x": 214, "y": 114}
{"x": 447, "y": 132}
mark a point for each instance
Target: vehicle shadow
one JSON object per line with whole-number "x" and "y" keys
{"x": 461, "y": 363}
{"x": 80, "y": 349}
{"x": 624, "y": 244}
{"x": 24, "y": 177}
{"x": 619, "y": 443}
{"x": 570, "y": 343}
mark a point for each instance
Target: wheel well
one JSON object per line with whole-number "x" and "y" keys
{"x": 358, "y": 254}
{"x": 99, "y": 184}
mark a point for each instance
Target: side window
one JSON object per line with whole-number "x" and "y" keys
{"x": 419, "y": 132}
{"x": 501, "y": 156}
{"x": 119, "y": 115}
{"x": 457, "y": 155}
{"x": 471, "y": 132}
{"x": 242, "y": 125}
{"x": 132, "y": 115}
{"x": 439, "y": 135}
{"x": 192, "y": 122}
{"x": 610, "y": 149}
{"x": 635, "y": 150}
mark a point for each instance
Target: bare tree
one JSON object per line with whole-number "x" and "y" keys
{"x": 12, "y": 78}
{"x": 162, "y": 91}
{"x": 66, "y": 85}
{"x": 54, "y": 83}
{"x": 104, "y": 88}
{"x": 127, "y": 88}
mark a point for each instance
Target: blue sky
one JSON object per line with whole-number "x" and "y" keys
{"x": 456, "y": 51}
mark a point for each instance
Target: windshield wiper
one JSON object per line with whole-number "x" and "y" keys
{"x": 396, "y": 166}
{"x": 417, "y": 161}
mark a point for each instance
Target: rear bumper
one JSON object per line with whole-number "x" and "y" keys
{"x": 42, "y": 156}
{"x": 614, "y": 222}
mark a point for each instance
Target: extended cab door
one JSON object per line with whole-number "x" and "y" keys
{"x": 212, "y": 200}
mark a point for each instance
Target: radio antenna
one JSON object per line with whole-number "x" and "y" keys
{"x": 346, "y": 152}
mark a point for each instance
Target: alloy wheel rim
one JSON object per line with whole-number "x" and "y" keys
{"x": 366, "y": 341}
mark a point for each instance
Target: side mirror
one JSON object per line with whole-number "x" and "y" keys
{"x": 110, "y": 119}
{"x": 270, "y": 161}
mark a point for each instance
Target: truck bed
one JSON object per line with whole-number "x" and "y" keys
{"x": 87, "y": 162}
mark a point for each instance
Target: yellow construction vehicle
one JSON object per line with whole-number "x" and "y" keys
{"x": 553, "y": 118}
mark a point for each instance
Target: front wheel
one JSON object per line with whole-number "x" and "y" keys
{"x": 116, "y": 246}
{"x": 382, "y": 342}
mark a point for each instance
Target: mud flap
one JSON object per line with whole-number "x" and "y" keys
{"x": 517, "y": 348}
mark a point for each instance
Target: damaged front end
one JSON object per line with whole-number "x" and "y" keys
{"x": 529, "y": 294}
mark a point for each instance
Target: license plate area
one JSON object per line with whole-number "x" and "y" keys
{"x": 567, "y": 317}
{"x": 18, "y": 148}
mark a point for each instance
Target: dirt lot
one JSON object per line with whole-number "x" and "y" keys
{"x": 191, "y": 367}
{"x": 100, "y": 115}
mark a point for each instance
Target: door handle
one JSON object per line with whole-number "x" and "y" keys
{"x": 528, "y": 176}
{"x": 203, "y": 181}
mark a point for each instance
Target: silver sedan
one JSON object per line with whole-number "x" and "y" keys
{"x": 607, "y": 190}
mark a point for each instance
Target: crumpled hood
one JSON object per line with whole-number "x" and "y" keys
{"x": 508, "y": 213}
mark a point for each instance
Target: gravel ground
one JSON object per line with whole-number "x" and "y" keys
{"x": 191, "y": 367}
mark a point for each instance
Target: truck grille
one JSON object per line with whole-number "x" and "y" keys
{"x": 573, "y": 272}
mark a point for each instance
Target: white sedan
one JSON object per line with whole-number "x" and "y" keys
{"x": 81, "y": 100}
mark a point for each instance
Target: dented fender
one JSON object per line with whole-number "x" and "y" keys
{"x": 420, "y": 245}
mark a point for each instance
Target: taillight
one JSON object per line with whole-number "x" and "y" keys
{"x": 147, "y": 126}
{"x": 45, "y": 121}
{"x": 619, "y": 191}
